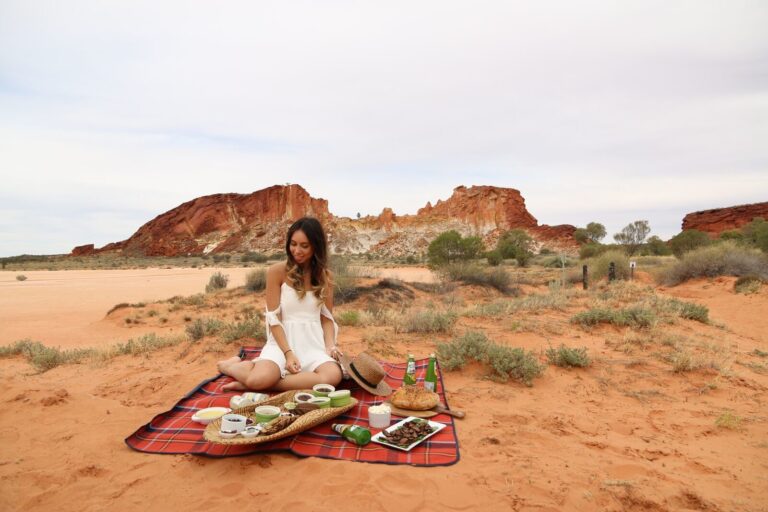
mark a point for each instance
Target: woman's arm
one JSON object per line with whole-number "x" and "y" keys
{"x": 329, "y": 327}
{"x": 275, "y": 275}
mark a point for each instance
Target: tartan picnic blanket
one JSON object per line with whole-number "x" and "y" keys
{"x": 174, "y": 432}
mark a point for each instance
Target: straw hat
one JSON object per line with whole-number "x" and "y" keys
{"x": 367, "y": 372}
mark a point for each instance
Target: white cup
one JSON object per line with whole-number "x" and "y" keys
{"x": 233, "y": 422}
{"x": 379, "y": 419}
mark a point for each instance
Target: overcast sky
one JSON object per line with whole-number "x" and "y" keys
{"x": 114, "y": 112}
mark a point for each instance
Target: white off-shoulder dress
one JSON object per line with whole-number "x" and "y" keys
{"x": 303, "y": 330}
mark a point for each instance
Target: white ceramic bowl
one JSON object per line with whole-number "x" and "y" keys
{"x": 250, "y": 432}
{"x": 205, "y": 416}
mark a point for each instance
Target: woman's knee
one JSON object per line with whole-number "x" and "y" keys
{"x": 330, "y": 372}
{"x": 262, "y": 377}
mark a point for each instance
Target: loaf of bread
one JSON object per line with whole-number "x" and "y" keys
{"x": 414, "y": 398}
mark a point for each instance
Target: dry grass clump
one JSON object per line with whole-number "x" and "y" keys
{"x": 598, "y": 266}
{"x": 218, "y": 281}
{"x": 505, "y": 362}
{"x": 204, "y": 327}
{"x": 21, "y": 277}
{"x": 45, "y": 358}
{"x": 728, "y": 420}
{"x": 350, "y": 317}
{"x": 635, "y": 316}
{"x": 533, "y": 302}
{"x": 250, "y": 327}
{"x": 469, "y": 273}
{"x": 568, "y": 357}
{"x": 256, "y": 280}
{"x": 426, "y": 321}
{"x": 747, "y": 284}
{"x": 722, "y": 259}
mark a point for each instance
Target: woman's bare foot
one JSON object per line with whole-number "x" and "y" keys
{"x": 226, "y": 363}
{"x": 234, "y": 386}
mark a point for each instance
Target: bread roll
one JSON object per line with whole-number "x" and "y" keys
{"x": 414, "y": 398}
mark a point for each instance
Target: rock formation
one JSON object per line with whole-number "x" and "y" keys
{"x": 223, "y": 223}
{"x": 713, "y": 222}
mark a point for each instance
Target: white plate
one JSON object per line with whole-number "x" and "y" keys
{"x": 379, "y": 438}
{"x": 198, "y": 416}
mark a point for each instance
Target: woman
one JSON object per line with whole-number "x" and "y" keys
{"x": 301, "y": 346}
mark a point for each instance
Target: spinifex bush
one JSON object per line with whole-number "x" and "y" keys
{"x": 598, "y": 266}
{"x": 566, "y": 356}
{"x": 351, "y": 317}
{"x": 506, "y": 362}
{"x": 747, "y": 284}
{"x": 204, "y": 327}
{"x": 469, "y": 273}
{"x": 218, "y": 281}
{"x": 251, "y": 327}
{"x": 635, "y": 316}
{"x": 426, "y": 321}
{"x": 256, "y": 280}
{"x": 722, "y": 259}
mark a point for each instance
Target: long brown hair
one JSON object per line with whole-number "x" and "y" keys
{"x": 320, "y": 280}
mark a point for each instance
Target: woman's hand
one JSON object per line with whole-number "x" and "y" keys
{"x": 292, "y": 362}
{"x": 333, "y": 351}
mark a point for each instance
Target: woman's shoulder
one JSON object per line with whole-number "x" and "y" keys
{"x": 277, "y": 269}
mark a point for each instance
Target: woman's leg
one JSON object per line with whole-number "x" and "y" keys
{"x": 255, "y": 375}
{"x": 326, "y": 373}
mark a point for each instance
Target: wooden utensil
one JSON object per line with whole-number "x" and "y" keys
{"x": 438, "y": 409}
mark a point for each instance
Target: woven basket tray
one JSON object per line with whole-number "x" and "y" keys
{"x": 302, "y": 423}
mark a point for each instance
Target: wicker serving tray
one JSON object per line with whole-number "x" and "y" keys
{"x": 302, "y": 423}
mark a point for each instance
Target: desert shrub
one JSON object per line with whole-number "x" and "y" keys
{"x": 688, "y": 240}
{"x": 691, "y": 311}
{"x": 344, "y": 280}
{"x": 256, "y": 280}
{"x": 726, "y": 258}
{"x": 203, "y": 327}
{"x": 426, "y": 321}
{"x": 516, "y": 244}
{"x": 756, "y": 233}
{"x": 747, "y": 284}
{"x": 21, "y": 277}
{"x": 472, "y": 274}
{"x": 728, "y": 420}
{"x": 255, "y": 257}
{"x": 250, "y": 327}
{"x": 142, "y": 345}
{"x": 494, "y": 258}
{"x": 506, "y": 362}
{"x": 655, "y": 246}
{"x": 566, "y": 356}
{"x": 45, "y": 358}
{"x": 591, "y": 250}
{"x": 635, "y": 316}
{"x": 218, "y": 281}
{"x": 558, "y": 261}
{"x": 439, "y": 287}
{"x": 459, "y": 351}
{"x": 351, "y": 317}
{"x": 598, "y": 266}
{"x": 593, "y": 233}
{"x": 450, "y": 246}
{"x": 512, "y": 363}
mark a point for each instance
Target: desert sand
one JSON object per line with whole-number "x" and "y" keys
{"x": 626, "y": 433}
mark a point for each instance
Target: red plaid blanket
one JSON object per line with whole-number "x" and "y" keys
{"x": 174, "y": 431}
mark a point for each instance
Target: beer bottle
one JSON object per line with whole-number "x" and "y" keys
{"x": 353, "y": 433}
{"x": 430, "y": 379}
{"x": 410, "y": 372}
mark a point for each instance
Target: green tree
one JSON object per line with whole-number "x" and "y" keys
{"x": 593, "y": 233}
{"x": 756, "y": 233}
{"x": 657, "y": 246}
{"x": 688, "y": 240}
{"x": 516, "y": 244}
{"x": 450, "y": 246}
{"x": 633, "y": 235}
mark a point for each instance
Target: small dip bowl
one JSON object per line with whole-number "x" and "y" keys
{"x": 303, "y": 397}
{"x": 227, "y": 434}
{"x": 339, "y": 398}
{"x": 322, "y": 402}
{"x": 266, "y": 413}
{"x": 322, "y": 389}
{"x": 289, "y": 406}
{"x": 250, "y": 432}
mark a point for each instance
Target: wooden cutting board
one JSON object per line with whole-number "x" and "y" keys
{"x": 438, "y": 409}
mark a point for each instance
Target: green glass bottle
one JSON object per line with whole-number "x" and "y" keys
{"x": 430, "y": 379}
{"x": 353, "y": 433}
{"x": 410, "y": 372}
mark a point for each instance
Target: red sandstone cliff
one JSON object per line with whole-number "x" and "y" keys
{"x": 713, "y": 222}
{"x": 258, "y": 221}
